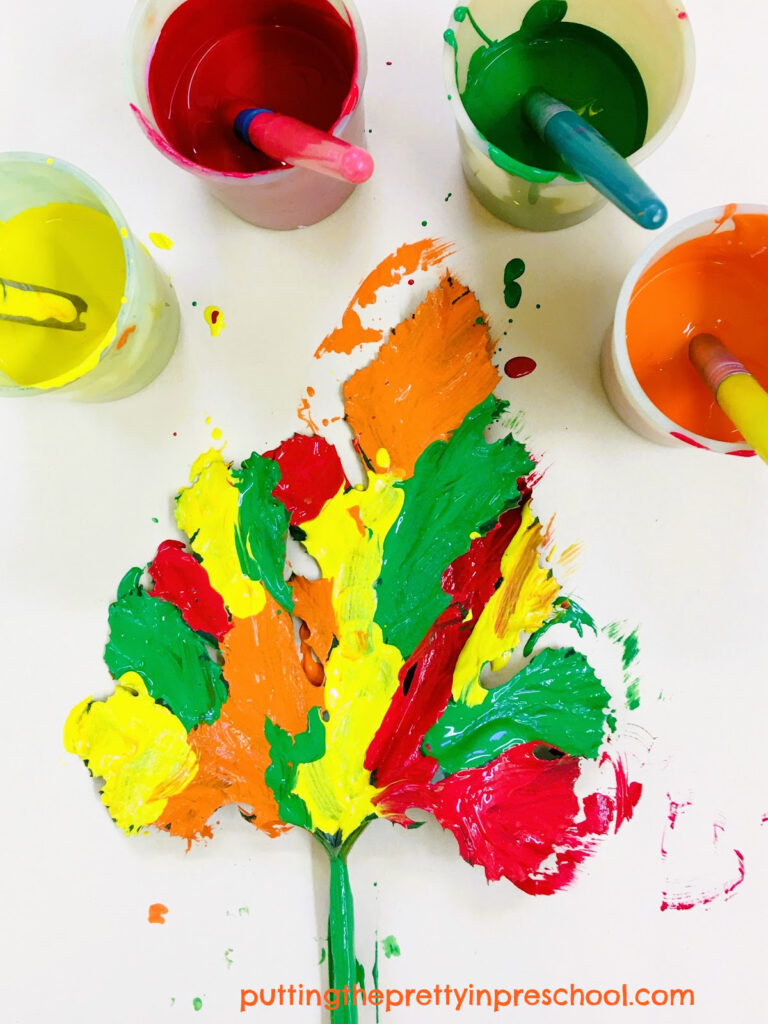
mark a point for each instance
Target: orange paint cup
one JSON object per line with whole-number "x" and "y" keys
{"x": 708, "y": 274}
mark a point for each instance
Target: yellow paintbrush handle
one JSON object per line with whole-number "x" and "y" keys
{"x": 745, "y": 403}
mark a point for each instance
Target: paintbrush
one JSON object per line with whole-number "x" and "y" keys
{"x": 37, "y": 306}
{"x": 294, "y": 142}
{"x": 736, "y": 391}
{"x": 592, "y": 156}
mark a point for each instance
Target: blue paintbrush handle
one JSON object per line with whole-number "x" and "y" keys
{"x": 591, "y": 155}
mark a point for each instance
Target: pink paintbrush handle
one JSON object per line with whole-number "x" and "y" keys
{"x": 293, "y": 142}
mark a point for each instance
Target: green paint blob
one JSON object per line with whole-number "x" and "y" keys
{"x": 567, "y": 612}
{"x": 390, "y": 946}
{"x": 556, "y": 699}
{"x": 149, "y": 636}
{"x": 243, "y": 910}
{"x": 342, "y": 965}
{"x": 154, "y": 519}
{"x": 262, "y": 526}
{"x": 458, "y": 486}
{"x": 580, "y": 66}
{"x": 197, "y": 1002}
{"x": 322, "y": 956}
{"x": 633, "y": 695}
{"x": 513, "y": 292}
{"x": 631, "y": 650}
{"x": 287, "y": 753}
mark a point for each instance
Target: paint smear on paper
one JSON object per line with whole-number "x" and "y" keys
{"x": 161, "y": 241}
{"x": 215, "y": 320}
{"x": 197, "y": 1003}
{"x": 390, "y": 946}
{"x": 156, "y": 913}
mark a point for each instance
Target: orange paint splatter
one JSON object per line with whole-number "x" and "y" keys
{"x": 409, "y": 258}
{"x": 304, "y": 412}
{"x": 432, "y": 370}
{"x": 261, "y": 666}
{"x": 157, "y": 912}
{"x": 313, "y": 601}
{"x": 121, "y": 341}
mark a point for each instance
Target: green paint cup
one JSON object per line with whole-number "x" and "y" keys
{"x": 657, "y": 37}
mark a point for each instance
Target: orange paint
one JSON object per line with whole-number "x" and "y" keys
{"x": 431, "y": 371}
{"x": 261, "y": 667}
{"x": 421, "y": 255}
{"x": 157, "y": 912}
{"x": 304, "y": 412}
{"x": 313, "y": 604}
{"x": 125, "y": 336}
{"x": 716, "y": 285}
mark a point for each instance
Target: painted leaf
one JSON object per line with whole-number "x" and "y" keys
{"x": 286, "y": 754}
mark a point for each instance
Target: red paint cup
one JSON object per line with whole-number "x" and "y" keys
{"x": 271, "y": 196}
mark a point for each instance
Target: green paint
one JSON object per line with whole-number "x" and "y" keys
{"x": 633, "y": 695}
{"x": 322, "y": 956}
{"x": 556, "y": 699}
{"x": 287, "y": 753}
{"x": 567, "y": 613}
{"x": 390, "y": 946}
{"x": 450, "y": 193}
{"x": 243, "y": 910}
{"x": 458, "y": 486}
{"x": 513, "y": 292}
{"x": 423, "y": 223}
{"x": 262, "y": 527}
{"x": 197, "y": 1002}
{"x": 154, "y": 519}
{"x": 228, "y": 956}
{"x": 149, "y": 636}
{"x": 342, "y": 965}
{"x": 582, "y": 67}
{"x": 194, "y": 303}
{"x": 375, "y": 971}
{"x": 631, "y": 649}
{"x": 479, "y": 320}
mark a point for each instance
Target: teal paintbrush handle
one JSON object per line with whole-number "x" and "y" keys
{"x": 591, "y": 155}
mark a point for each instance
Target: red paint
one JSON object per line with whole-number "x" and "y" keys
{"x": 682, "y": 15}
{"x": 156, "y": 913}
{"x": 519, "y": 366}
{"x": 627, "y": 793}
{"x": 743, "y": 453}
{"x": 214, "y": 58}
{"x": 214, "y": 316}
{"x": 688, "y": 440}
{"x": 180, "y": 579}
{"x": 293, "y": 142}
{"x": 310, "y": 474}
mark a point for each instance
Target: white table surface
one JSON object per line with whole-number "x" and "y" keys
{"x": 673, "y": 540}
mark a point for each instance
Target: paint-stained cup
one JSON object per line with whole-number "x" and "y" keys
{"x": 61, "y": 232}
{"x": 276, "y": 196}
{"x": 655, "y": 34}
{"x": 706, "y": 274}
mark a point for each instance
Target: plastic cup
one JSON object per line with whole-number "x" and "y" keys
{"x": 626, "y": 395}
{"x": 281, "y": 198}
{"x": 146, "y": 329}
{"x": 657, "y": 36}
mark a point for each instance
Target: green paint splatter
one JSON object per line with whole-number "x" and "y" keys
{"x": 390, "y": 946}
{"x": 631, "y": 649}
{"x": 513, "y": 292}
{"x": 228, "y": 957}
{"x": 287, "y": 753}
{"x": 633, "y": 695}
{"x": 260, "y": 542}
{"x": 567, "y": 612}
{"x": 243, "y": 910}
{"x": 375, "y": 971}
{"x": 155, "y": 519}
{"x": 149, "y": 636}
{"x": 197, "y": 1002}
{"x": 479, "y": 320}
{"x": 627, "y": 639}
{"x": 322, "y": 956}
{"x": 458, "y": 486}
{"x": 556, "y": 699}
{"x": 423, "y": 223}
{"x": 194, "y": 303}
{"x": 450, "y": 193}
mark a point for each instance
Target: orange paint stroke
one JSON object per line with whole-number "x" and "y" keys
{"x": 413, "y": 256}
{"x": 125, "y": 336}
{"x": 430, "y": 372}
{"x": 157, "y": 912}
{"x": 313, "y": 604}
{"x": 304, "y": 412}
{"x": 261, "y": 666}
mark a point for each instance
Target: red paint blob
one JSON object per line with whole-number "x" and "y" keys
{"x": 214, "y": 58}
{"x": 688, "y": 440}
{"x": 519, "y": 366}
{"x": 180, "y": 579}
{"x": 310, "y": 474}
{"x": 682, "y": 15}
{"x": 214, "y": 316}
{"x": 744, "y": 453}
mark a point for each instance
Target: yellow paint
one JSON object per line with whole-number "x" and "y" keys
{"x": 124, "y": 231}
{"x": 207, "y": 512}
{"x": 160, "y": 240}
{"x": 347, "y": 539}
{"x": 36, "y": 304}
{"x": 522, "y": 603}
{"x": 137, "y": 746}
{"x": 383, "y": 460}
{"x": 215, "y": 320}
{"x": 216, "y": 434}
{"x": 69, "y": 248}
{"x": 744, "y": 402}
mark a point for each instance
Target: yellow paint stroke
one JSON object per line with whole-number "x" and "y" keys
{"x": 137, "y": 746}
{"x": 361, "y": 675}
{"x": 207, "y": 512}
{"x": 215, "y": 320}
{"x": 160, "y": 240}
{"x": 522, "y": 603}
{"x": 70, "y": 248}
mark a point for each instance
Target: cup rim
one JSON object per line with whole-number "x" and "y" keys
{"x": 126, "y": 237}
{"x": 658, "y": 419}
{"x": 150, "y": 128}
{"x": 557, "y": 178}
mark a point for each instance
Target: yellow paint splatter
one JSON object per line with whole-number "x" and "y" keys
{"x": 361, "y": 674}
{"x": 215, "y": 320}
{"x": 216, "y": 434}
{"x": 522, "y": 603}
{"x": 160, "y": 240}
{"x": 207, "y": 512}
{"x": 137, "y": 746}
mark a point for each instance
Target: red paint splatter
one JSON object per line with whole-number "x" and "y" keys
{"x": 389, "y": 63}
{"x": 410, "y": 280}
{"x": 744, "y": 453}
{"x": 310, "y": 474}
{"x": 157, "y": 912}
{"x": 180, "y": 579}
{"x": 682, "y": 15}
{"x": 214, "y": 315}
{"x": 519, "y": 366}
{"x": 688, "y": 440}
{"x": 122, "y": 340}
{"x": 627, "y": 793}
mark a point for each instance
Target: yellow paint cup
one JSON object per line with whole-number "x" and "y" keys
{"x": 60, "y": 232}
